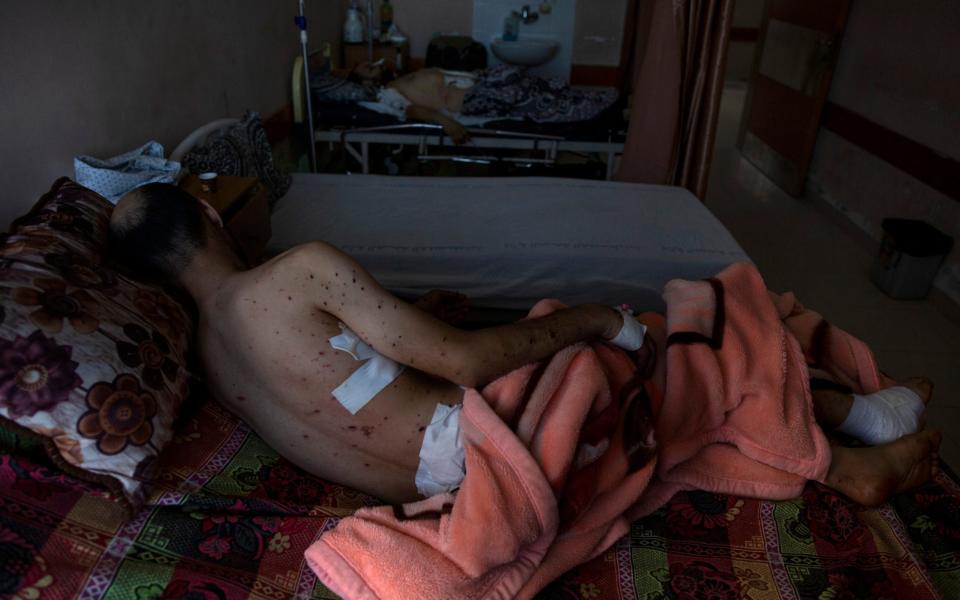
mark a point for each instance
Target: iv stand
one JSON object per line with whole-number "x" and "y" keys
{"x": 301, "y": 22}
{"x": 370, "y": 31}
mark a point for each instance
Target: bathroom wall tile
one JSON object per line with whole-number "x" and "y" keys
{"x": 559, "y": 25}
{"x": 598, "y": 32}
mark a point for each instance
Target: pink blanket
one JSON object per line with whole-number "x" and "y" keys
{"x": 736, "y": 417}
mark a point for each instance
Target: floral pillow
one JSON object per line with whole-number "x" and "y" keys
{"x": 89, "y": 359}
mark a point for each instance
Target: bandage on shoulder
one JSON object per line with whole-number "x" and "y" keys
{"x": 367, "y": 381}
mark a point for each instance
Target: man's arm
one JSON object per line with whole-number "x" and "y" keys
{"x": 408, "y": 335}
{"x": 457, "y": 132}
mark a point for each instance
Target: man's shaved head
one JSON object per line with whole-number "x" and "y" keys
{"x": 155, "y": 230}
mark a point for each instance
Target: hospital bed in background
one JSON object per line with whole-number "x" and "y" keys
{"x": 505, "y": 242}
{"x": 357, "y": 129}
{"x": 508, "y": 242}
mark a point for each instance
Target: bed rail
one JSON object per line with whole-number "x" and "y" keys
{"x": 427, "y": 137}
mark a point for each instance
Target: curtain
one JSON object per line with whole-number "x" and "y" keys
{"x": 678, "y": 67}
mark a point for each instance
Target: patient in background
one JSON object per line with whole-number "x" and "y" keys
{"x": 267, "y": 339}
{"x": 500, "y": 92}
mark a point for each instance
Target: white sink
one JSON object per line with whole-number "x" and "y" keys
{"x": 524, "y": 52}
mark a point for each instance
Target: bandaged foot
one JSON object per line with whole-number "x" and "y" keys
{"x": 884, "y": 416}
{"x": 630, "y": 337}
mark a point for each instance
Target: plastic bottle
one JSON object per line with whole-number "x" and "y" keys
{"x": 386, "y": 17}
{"x": 511, "y": 27}
{"x": 353, "y": 26}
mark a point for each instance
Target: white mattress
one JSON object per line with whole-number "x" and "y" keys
{"x": 508, "y": 242}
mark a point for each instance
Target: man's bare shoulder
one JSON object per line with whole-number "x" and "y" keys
{"x": 301, "y": 268}
{"x": 312, "y": 255}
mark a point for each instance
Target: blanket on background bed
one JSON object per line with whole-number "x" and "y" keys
{"x": 509, "y": 92}
{"x": 723, "y": 378}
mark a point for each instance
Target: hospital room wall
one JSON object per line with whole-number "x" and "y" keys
{"x": 595, "y": 42}
{"x": 896, "y": 70}
{"x": 103, "y": 76}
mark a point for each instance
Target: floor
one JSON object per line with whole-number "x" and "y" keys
{"x": 800, "y": 245}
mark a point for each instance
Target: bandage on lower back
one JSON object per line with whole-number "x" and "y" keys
{"x": 631, "y": 334}
{"x": 442, "y": 456}
{"x": 883, "y": 416}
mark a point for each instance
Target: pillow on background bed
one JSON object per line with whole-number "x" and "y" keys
{"x": 91, "y": 361}
{"x": 327, "y": 87}
{"x": 242, "y": 150}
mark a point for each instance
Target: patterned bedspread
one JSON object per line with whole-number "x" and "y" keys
{"x": 231, "y": 519}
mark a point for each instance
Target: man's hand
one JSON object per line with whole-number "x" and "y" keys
{"x": 457, "y": 132}
{"x": 449, "y": 307}
{"x": 402, "y": 332}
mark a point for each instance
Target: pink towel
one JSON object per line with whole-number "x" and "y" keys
{"x": 736, "y": 418}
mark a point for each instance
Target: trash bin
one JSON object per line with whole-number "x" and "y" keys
{"x": 910, "y": 255}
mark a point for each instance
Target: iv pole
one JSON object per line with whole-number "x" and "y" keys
{"x": 301, "y": 22}
{"x": 370, "y": 31}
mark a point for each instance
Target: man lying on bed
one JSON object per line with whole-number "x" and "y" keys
{"x": 501, "y": 92}
{"x": 266, "y": 336}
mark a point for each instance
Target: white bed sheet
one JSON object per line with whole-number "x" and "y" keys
{"x": 508, "y": 242}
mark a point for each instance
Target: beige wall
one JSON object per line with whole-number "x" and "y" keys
{"x": 896, "y": 69}
{"x": 596, "y": 43}
{"x": 420, "y": 19}
{"x": 103, "y": 76}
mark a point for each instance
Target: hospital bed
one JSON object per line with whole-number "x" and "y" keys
{"x": 508, "y": 242}
{"x": 357, "y": 129}
{"x": 505, "y": 242}
{"x": 228, "y": 517}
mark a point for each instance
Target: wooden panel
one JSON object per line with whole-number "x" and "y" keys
{"x": 596, "y": 75}
{"x": 796, "y": 56}
{"x": 785, "y": 173}
{"x": 250, "y": 226}
{"x": 745, "y": 34}
{"x": 785, "y": 120}
{"x": 279, "y": 124}
{"x": 822, "y": 15}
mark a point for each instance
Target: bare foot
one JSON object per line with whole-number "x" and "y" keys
{"x": 449, "y": 307}
{"x": 871, "y": 475}
{"x": 920, "y": 386}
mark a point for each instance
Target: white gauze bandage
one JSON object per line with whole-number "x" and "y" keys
{"x": 884, "y": 416}
{"x": 442, "y": 456}
{"x": 631, "y": 334}
{"x": 367, "y": 381}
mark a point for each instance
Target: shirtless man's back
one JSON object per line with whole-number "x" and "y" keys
{"x": 267, "y": 357}
{"x": 264, "y": 340}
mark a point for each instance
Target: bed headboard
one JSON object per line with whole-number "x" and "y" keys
{"x": 297, "y": 84}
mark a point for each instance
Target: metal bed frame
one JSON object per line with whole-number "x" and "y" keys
{"x": 428, "y": 138}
